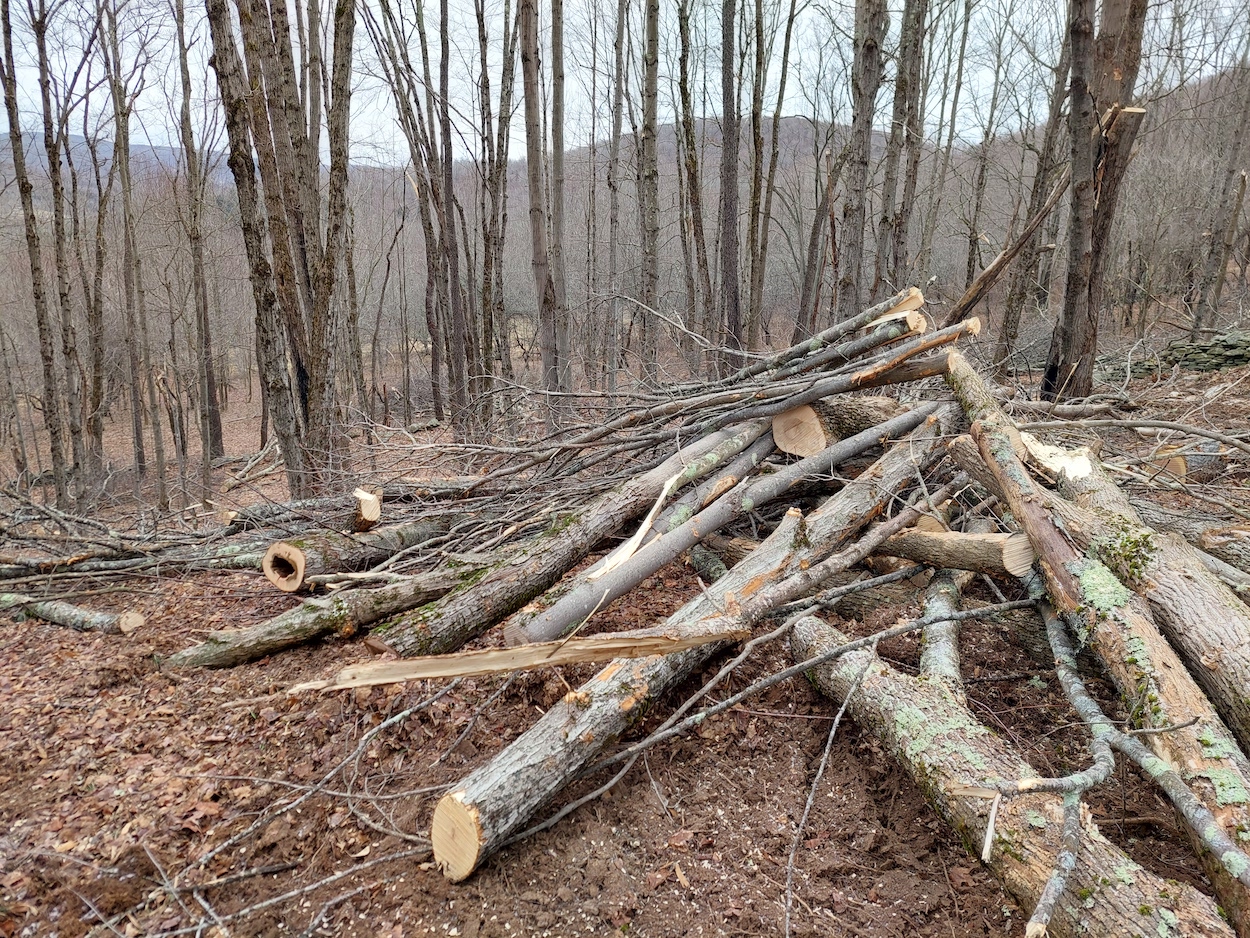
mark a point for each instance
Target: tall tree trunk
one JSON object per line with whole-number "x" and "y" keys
{"x": 693, "y": 176}
{"x": 1104, "y": 73}
{"x": 558, "y": 278}
{"x": 459, "y": 332}
{"x": 614, "y": 196}
{"x": 544, "y": 285}
{"x": 53, "y": 409}
{"x": 1224, "y": 219}
{"x": 210, "y": 409}
{"x": 1026, "y": 273}
{"x": 870, "y": 28}
{"x": 924, "y": 260}
{"x": 731, "y": 311}
{"x": 650, "y": 184}
{"x": 904, "y": 125}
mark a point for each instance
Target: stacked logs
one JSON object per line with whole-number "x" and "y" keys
{"x": 854, "y": 492}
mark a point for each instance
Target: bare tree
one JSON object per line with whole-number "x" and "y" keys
{"x": 870, "y": 27}
{"x": 730, "y": 288}
{"x": 1102, "y": 128}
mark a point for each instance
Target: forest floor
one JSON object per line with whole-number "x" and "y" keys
{"x": 118, "y": 779}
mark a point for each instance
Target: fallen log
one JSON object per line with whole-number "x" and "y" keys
{"x": 59, "y": 612}
{"x": 343, "y": 613}
{"x": 601, "y": 585}
{"x": 468, "y": 612}
{"x": 1212, "y": 535}
{"x": 288, "y": 564}
{"x": 1202, "y": 618}
{"x": 477, "y": 816}
{"x": 1118, "y": 626}
{"x": 809, "y": 428}
{"x": 954, "y": 759}
{"x": 993, "y": 553}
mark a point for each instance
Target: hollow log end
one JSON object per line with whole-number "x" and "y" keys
{"x": 283, "y": 566}
{"x": 1018, "y": 555}
{"x": 456, "y": 836}
{"x": 129, "y": 622}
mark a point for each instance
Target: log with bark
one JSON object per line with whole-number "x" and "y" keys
{"x": 1118, "y": 626}
{"x": 343, "y": 613}
{"x": 955, "y": 759}
{"x": 464, "y": 614}
{"x": 289, "y": 564}
{"x": 491, "y": 804}
{"x": 617, "y": 575}
{"x": 75, "y": 617}
{"x": 993, "y": 553}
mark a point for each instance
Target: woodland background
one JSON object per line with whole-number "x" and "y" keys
{"x": 433, "y": 212}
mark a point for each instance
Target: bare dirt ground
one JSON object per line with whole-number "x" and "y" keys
{"x": 118, "y": 782}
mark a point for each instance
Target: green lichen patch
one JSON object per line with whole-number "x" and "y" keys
{"x": 1036, "y": 819}
{"x": 1100, "y": 589}
{"x": 1216, "y": 746}
{"x": 1235, "y": 863}
{"x": 1228, "y": 786}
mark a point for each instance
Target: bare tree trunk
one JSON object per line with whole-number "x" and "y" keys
{"x": 614, "y": 197}
{"x": 459, "y": 331}
{"x": 544, "y": 285}
{"x": 924, "y": 260}
{"x": 1224, "y": 220}
{"x": 559, "y": 280}
{"x": 1047, "y": 164}
{"x": 731, "y": 312}
{"x": 52, "y": 407}
{"x": 649, "y": 171}
{"x": 210, "y": 410}
{"x": 904, "y": 124}
{"x": 1104, "y": 72}
{"x": 693, "y": 176}
{"x": 870, "y": 29}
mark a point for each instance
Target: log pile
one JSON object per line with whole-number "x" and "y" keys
{"x": 791, "y": 492}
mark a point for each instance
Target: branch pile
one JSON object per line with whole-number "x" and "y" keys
{"x": 853, "y": 494}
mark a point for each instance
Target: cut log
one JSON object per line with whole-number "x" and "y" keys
{"x": 463, "y": 615}
{"x": 995, "y": 554}
{"x": 810, "y": 428}
{"x": 951, "y": 755}
{"x": 1118, "y": 626}
{"x": 344, "y": 613}
{"x": 599, "y": 587}
{"x": 289, "y": 564}
{"x": 71, "y": 616}
{"x": 368, "y": 508}
{"x": 492, "y": 803}
{"x": 638, "y": 643}
{"x": 1213, "y": 535}
{"x": 1202, "y": 618}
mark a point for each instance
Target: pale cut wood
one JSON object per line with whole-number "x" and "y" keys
{"x": 368, "y": 508}
{"x": 1119, "y": 628}
{"x": 810, "y": 428}
{"x": 910, "y": 304}
{"x": 640, "y": 643}
{"x": 74, "y": 617}
{"x": 955, "y": 759}
{"x": 996, "y": 554}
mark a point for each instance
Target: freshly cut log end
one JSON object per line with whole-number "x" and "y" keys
{"x": 129, "y": 622}
{"x": 368, "y": 508}
{"x": 1018, "y": 555}
{"x": 811, "y": 428}
{"x": 456, "y": 836}
{"x": 284, "y": 566}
